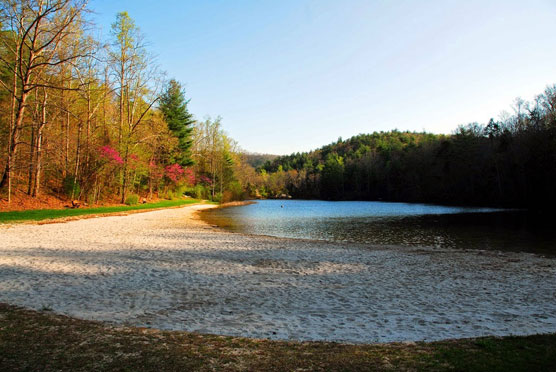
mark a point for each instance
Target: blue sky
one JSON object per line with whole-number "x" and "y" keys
{"x": 293, "y": 75}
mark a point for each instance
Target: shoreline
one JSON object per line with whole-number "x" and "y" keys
{"x": 168, "y": 269}
{"x": 127, "y": 210}
{"x": 223, "y": 222}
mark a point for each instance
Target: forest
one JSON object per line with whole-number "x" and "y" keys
{"x": 510, "y": 162}
{"x": 99, "y": 121}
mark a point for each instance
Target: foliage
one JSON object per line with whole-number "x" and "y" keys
{"x": 218, "y": 163}
{"x": 332, "y": 178}
{"x": 509, "y": 162}
{"x": 132, "y": 199}
{"x": 72, "y": 189}
{"x": 86, "y": 121}
{"x": 174, "y": 172}
{"x": 257, "y": 160}
{"x": 198, "y": 192}
{"x": 111, "y": 155}
{"x": 174, "y": 108}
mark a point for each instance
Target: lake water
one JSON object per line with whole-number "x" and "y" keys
{"x": 385, "y": 223}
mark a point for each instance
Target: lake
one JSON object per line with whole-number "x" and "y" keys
{"x": 383, "y": 223}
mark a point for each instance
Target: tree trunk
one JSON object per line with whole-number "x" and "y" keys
{"x": 77, "y": 159}
{"x": 31, "y": 162}
{"x": 87, "y": 138}
{"x": 38, "y": 166}
{"x": 12, "y": 124}
{"x": 66, "y": 142}
{"x": 13, "y": 145}
{"x": 124, "y": 175}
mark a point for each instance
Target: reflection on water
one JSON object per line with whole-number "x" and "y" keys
{"x": 391, "y": 224}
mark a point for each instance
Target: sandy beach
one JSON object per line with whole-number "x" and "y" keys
{"x": 168, "y": 269}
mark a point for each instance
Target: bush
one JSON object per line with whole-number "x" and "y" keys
{"x": 180, "y": 190}
{"x": 90, "y": 198}
{"x": 71, "y": 187}
{"x": 198, "y": 192}
{"x": 227, "y": 196}
{"x": 132, "y": 199}
{"x": 217, "y": 197}
{"x": 263, "y": 192}
{"x": 236, "y": 191}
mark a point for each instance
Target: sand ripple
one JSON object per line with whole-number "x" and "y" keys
{"x": 168, "y": 270}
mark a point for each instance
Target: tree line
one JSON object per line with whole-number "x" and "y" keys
{"x": 509, "y": 162}
{"x": 96, "y": 119}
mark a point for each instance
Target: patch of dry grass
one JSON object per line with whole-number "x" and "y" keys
{"x": 42, "y": 341}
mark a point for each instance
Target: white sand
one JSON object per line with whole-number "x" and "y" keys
{"x": 166, "y": 269}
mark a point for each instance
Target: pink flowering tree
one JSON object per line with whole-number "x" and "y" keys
{"x": 107, "y": 162}
{"x": 205, "y": 180}
{"x": 110, "y": 156}
{"x": 134, "y": 162}
{"x": 179, "y": 178}
{"x": 110, "y": 162}
{"x": 174, "y": 172}
{"x": 189, "y": 177}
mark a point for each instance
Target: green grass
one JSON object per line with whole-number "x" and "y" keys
{"x": 46, "y": 214}
{"x": 43, "y": 341}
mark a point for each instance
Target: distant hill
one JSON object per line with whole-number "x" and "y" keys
{"x": 256, "y": 160}
{"x": 510, "y": 163}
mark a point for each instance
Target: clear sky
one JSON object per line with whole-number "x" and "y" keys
{"x": 293, "y": 75}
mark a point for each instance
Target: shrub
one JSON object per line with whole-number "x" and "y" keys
{"x": 91, "y": 198}
{"x": 132, "y": 199}
{"x": 180, "y": 190}
{"x": 236, "y": 190}
{"x": 263, "y": 192}
{"x": 198, "y": 192}
{"x": 227, "y": 196}
{"x": 71, "y": 187}
{"x": 217, "y": 197}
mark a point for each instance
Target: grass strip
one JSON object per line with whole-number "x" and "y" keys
{"x": 42, "y": 341}
{"x": 46, "y": 214}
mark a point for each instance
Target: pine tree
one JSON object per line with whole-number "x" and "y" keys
{"x": 174, "y": 108}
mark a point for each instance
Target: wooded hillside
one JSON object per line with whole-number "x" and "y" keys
{"x": 509, "y": 162}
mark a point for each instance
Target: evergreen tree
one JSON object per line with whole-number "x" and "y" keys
{"x": 174, "y": 108}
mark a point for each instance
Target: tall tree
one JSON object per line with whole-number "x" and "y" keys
{"x": 173, "y": 106}
{"x": 136, "y": 75}
{"x": 38, "y": 27}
